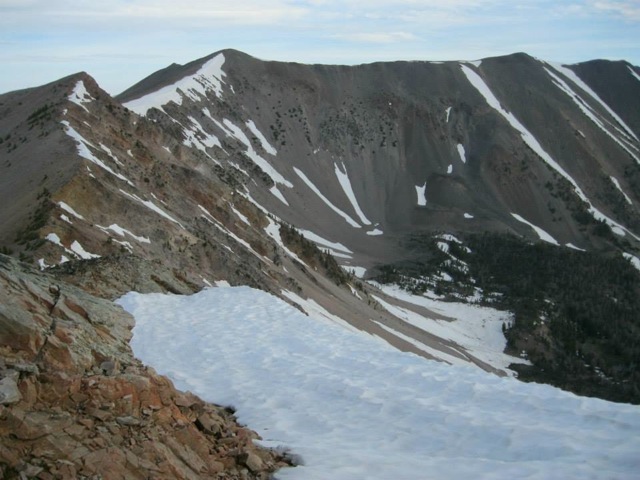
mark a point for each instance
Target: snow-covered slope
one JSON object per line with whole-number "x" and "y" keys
{"x": 351, "y": 407}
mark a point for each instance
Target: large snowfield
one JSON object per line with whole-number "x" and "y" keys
{"x": 352, "y": 407}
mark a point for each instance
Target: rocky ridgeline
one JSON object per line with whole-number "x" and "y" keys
{"x": 75, "y": 403}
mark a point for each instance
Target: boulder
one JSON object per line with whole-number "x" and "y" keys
{"x": 9, "y": 391}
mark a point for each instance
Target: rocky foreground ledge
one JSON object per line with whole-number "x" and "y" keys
{"x": 75, "y": 403}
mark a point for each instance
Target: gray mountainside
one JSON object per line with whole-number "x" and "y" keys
{"x": 293, "y": 178}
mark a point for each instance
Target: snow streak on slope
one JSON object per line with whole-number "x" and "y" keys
{"x": 541, "y": 233}
{"x": 79, "y": 250}
{"x": 273, "y": 230}
{"x": 616, "y": 183}
{"x": 70, "y": 210}
{"x": 206, "y": 214}
{"x": 421, "y": 193}
{"x": 633, "y": 72}
{"x": 570, "y": 74}
{"x": 345, "y": 183}
{"x": 123, "y": 232}
{"x": 83, "y": 150}
{"x": 208, "y": 78}
{"x": 323, "y": 242}
{"x": 353, "y": 407}
{"x": 317, "y": 191}
{"x": 153, "y": 207}
{"x": 266, "y": 167}
{"x": 278, "y": 194}
{"x": 533, "y": 143}
{"x": 590, "y": 113}
{"x": 263, "y": 141}
{"x": 462, "y": 153}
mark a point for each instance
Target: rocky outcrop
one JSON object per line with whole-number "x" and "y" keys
{"x": 75, "y": 403}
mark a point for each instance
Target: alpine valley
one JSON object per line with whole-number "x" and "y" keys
{"x": 483, "y": 214}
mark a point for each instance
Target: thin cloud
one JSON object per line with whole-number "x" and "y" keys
{"x": 629, "y": 10}
{"x": 102, "y": 13}
{"x": 379, "y": 37}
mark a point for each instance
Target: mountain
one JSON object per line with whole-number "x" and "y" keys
{"x": 509, "y": 184}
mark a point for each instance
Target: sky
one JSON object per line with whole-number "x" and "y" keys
{"x": 122, "y": 41}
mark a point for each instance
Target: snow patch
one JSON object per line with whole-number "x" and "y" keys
{"x": 450, "y": 169}
{"x": 117, "y": 229}
{"x": 375, "y": 232}
{"x": 461, "y": 153}
{"x": 214, "y": 221}
{"x": 544, "y": 236}
{"x": 75, "y": 249}
{"x": 345, "y": 183}
{"x": 635, "y": 261}
{"x": 633, "y": 72}
{"x": 278, "y": 194}
{"x": 83, "y": 150}
{"x": 478, "y": 330}
{"x": 55, "y": 239}
{"x": 70, "y": 210}
{"x": 80, "y": 95}
{"x": 198, "y": 138}
{"x": 235, "y": 131}
{"x": 447, "y": 113}
{"x": 153, "y": 207}
{"x": 468, "y": 216}
{"x": 195, "y": 87}
{"x": 323, "y": 242}
{"x": 317, "y": 191}
{"x": 614, "y": 180}
{"x": 263, "y": 141}
{"x": 110, "y": 153}
{"x": 273, "y": 230}
{"x": 240, "y": 215}
{"x": 353, "y": 407}
{"x": 81, "y": 252}
{"x": 359, "y": 272}
{"x": 421, "y": 193}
